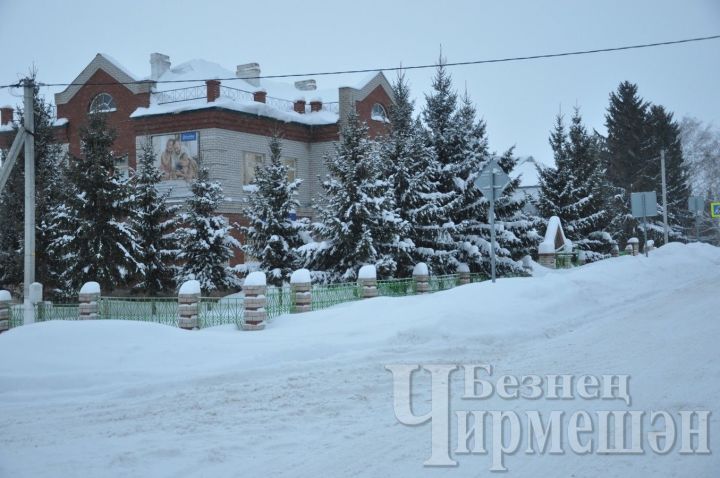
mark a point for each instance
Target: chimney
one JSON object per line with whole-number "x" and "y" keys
{"x": 213, "y": 90}
{"x": 6, "y": 115}
{"x": 315, "y": 106}
{"x": 299, "y": 106}
{"x": 249, "y": 72}
{"x": 159, "y": 65}
{"x": 260, "y": 96}
{"x": 306, "y": 85}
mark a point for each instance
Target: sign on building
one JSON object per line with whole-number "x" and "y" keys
{"x": 177, "y": 155}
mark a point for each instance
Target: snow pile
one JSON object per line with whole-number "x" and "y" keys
{"x": 367, "y": 272}
{"x": 256, "y": 278}
{"x": 190, "y": 287}
{"x": 90, "y": 288}
{"x": 300, "y": 276}
{"x": 5, "y": 296}
{"x": 420, "y": 269}
{"x": 313, "y": 398}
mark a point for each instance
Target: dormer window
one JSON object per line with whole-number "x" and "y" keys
{"x": 378, "y": 113}
{"x": 102, "y": 103}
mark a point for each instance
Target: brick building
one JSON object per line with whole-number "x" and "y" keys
{"x": 214, "y": 122}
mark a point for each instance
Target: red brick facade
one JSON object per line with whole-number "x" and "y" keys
{"x": 364, "y": 109}
{"x": 76, "y": 111}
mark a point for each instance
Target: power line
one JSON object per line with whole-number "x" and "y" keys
{"x": 413, "y": 67}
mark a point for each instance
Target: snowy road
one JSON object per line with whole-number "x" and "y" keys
{"x": 310, "y": 395}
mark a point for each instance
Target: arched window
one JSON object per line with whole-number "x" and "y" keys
{"x": 378, "y": 113}
{"x": 102, "y": 103}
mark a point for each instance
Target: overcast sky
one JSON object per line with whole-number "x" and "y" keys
{"x": 518, "y": 100}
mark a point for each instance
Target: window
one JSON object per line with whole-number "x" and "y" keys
{"x": 378, "y": 113}
{"x": 102, "y": 103}
{"x": 121, "y": 166}
{"x": 291, "y": 165}
{"x": 251, "y": 160}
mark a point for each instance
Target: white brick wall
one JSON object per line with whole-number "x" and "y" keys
{"x": 222, "y": 152}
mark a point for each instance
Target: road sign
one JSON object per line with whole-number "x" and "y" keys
{"x": 715, "y": 209}
{"x": 696, "y": 204}
{"x": 644, "y": 204}
{"x": 491, "y": 182}
{"x": 492, "y": 178}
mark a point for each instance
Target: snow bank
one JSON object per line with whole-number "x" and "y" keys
{"x": 256, "y": 278}
{"x": 420, "y": 269}
{"x": 300, "y": 276}
{"x": 90, "y": 288}
{"x": 190, "y": 287}
{"x": 125, "y": 398}
{"x": 367, "y": 272}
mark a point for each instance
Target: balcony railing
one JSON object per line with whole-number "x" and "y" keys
{"x": 235, "y": 94}
{"x": 180, "y": 94}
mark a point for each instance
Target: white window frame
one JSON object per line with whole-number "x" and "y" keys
{"x": 107, "y": 100}
{"x": 248, "y": 168}
{"x": 382, "y": 116}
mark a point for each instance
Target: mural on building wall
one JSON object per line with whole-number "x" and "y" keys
{"x": 177, "y": 155}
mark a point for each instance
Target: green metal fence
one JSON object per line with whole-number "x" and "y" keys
{"x": 444, "y": 282}
{"x": 396, "y": 287}
{"x": 218, "y": 311}
{"x": 279, "y": 301}
{"x": 160, "y": 310}
{"x": 332, "y": 294}
{"x": 229, "y": 310}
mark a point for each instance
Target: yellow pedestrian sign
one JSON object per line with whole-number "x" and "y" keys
{"x": 715, "y": 209}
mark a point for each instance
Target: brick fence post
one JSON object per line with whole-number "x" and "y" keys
{"x": 255, "y": 302}
{"x": 634, "y": 242}
{"x": 421, "y": 276}
{"x": 463, "y": 274}
{"x": 5, "y": 299}
{"x": 189, "y": 305}
{"x": 89, "y": 298}
{"x": 367, "y": 280}
{"x": 301, "y": 286}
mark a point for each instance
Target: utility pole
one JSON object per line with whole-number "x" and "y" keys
{"x": 664, "y": 195}
{"x": 29, "y": 247}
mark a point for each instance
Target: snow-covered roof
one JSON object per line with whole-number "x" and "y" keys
{"x": 252, "y": 107}
{"x": 199, "y": 69}
{"x": 526, "y": 169}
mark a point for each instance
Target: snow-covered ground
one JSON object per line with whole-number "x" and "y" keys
{"x": 310, "y": 395}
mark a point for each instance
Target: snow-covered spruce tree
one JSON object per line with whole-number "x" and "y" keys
{"x": 204, "y": 240}
{"x": 627, "y": 149}
{"x": 90, "y": 227}
{"x": 665, "y": 134}
{"x": 358, "y": 224}
{"x": 49, "y": 169}
{"x": 271, "y": 236}
{"x": 574, "y": 188}
{"x": 408, "y": 162}
{"x": 154, "y": 222}
{"x": 439, "y": 118}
